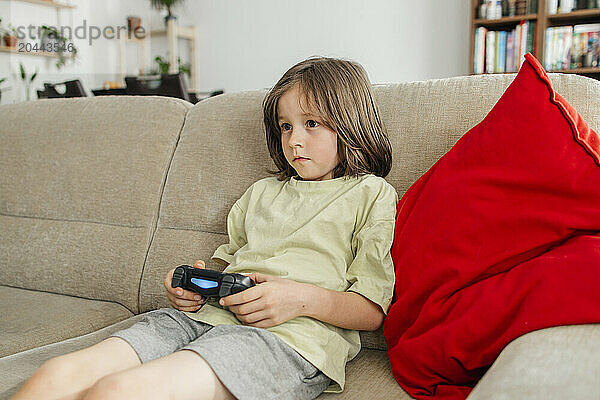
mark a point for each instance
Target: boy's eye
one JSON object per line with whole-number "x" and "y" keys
{"x": 285, "y": 126}
{"x": 312, "y": 123}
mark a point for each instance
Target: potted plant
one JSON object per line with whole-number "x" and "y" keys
{"x": 163, "y": 66}
{"x": 53, "y": 41}
{"x": 133, "y": 24}
{"x": 10, "y": 36}
{"x": 169, "y": 5}
{"x": 27, "y": 80}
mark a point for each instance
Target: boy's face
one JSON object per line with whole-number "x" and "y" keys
{"x": 304, "y": 136}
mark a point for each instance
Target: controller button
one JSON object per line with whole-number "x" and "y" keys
{"x": 225, "y": 289}
{"x": 238, "y": 288}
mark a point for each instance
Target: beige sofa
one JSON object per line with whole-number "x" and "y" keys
{"x": 100, "y": 197}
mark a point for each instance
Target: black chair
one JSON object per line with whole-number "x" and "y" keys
{"x": 109, "y": 92}
{"x": 172, "y": 85}
{"x": 71, "y": 89}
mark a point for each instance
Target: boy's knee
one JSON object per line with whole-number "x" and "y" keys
{"x": 109, "y": 388}
{"x": 56, "y": 369}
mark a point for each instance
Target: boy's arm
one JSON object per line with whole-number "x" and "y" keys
{"x": 347, "y": 310}
{"x": 275, "y": 300}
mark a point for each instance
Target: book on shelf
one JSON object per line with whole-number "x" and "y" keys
{"x": 583, "y": 4}
{"x": 501, "y": 54}
{"x": 532, "y": 6}
{"x": 571, "y": 47}
{"x": 496, "y": 45}
{"x": 502, "y": 51}
{"x": 521, "y": 7}
{"x": 479, "y": 50}
{"x": 523, "y": 40}
{"x": 490, "y": 46}
{"x": 526, "y": 7}
{"x": 531, "y": 41}
{"x": 566, "y": 6}
{"x": 510, "y": 49}
{"x": 495, "y": 9}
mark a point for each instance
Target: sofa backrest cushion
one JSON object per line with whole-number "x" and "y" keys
{"x": 220, "y": 153}
{"x": 79, "y": 191}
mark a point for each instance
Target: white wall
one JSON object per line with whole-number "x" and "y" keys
{"x": 245, "y": 45}
{"x": 250, "y": 44}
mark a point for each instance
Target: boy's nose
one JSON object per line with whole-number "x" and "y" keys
{"x": 297, "y": 138}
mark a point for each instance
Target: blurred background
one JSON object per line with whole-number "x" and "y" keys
{"x": 224, "y": 45}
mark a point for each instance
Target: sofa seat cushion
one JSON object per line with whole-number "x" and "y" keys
{"x": 562, "y": 362}
{"x": 367, "y": 376}
{"x": 17, "y": 368}
{"x": 32, "y": 318}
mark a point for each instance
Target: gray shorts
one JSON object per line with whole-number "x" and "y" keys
{"x": 252, "y": 363}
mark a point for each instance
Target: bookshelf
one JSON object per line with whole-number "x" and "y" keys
{"x": 543, "y": 20}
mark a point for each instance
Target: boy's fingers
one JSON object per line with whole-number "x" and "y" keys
{"x": 188, "y": 295}
{"x": 245, "y": 296}
{"x": 176, "y": 291}
{"x": 183, "y": 294}
{"x": 187, "y": 303}
{"x": 168, "y": 279}
{"x": 184, "y": 303}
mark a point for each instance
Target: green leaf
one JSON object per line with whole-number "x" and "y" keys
{"x": 22, "y": 71}
{"x": 160, "y": 4}
{"x": 33, "y": 76}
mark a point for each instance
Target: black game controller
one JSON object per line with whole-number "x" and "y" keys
{"x": 209, "y": 283}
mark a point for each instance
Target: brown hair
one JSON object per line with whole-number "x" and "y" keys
{"x": 339, "y": 92}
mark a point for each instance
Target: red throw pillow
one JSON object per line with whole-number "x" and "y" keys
{"x": 523, "y": 181}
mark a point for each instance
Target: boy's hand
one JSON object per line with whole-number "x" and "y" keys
{"x": 271, "y": 302}
{"x": 181, "y": 299}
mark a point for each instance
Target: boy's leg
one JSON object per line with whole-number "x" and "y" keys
{"x": 74, "y": 372}
{"x": 181, "y": 375}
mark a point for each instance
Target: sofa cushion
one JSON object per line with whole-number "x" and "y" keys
{"x": 368, "y": 375}
{"x": 17, "y": 368}
{"x": 86, "y": 259}
{"x": 33, "y": 318}
{"x": 79, "y": 191}
{"x": 550, "y": 364}
{"x": 524, "y": 180}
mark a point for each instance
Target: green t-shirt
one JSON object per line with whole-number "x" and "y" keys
{"x": 335, "y": 234}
